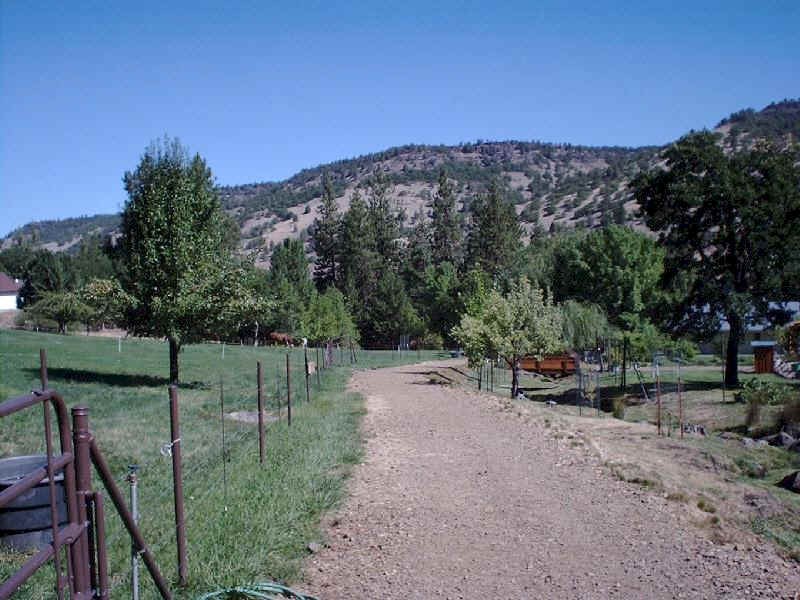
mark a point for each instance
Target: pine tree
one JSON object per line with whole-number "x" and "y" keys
{"x": 417, "y": 258}
{"x": 325, "y": 240}
{"x": 358, "y": 266}
{"x": 446, "y": 230}
{"x": 495, "y": 232}
{"x": 384, "y": 220}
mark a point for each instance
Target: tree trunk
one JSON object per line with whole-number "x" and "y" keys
{"x": 255, "y": 339}
{"x": 732, "y": 359}
{"x": 174, "y": 348}
{"x": 514, "y": 378}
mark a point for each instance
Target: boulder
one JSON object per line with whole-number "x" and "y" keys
{"x": 792, "y": 429}
{"x": 791, "y": 482}
{"x": 782, "y": 440}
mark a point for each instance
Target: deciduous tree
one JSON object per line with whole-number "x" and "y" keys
{"x": 178, "y": 265}
{"x": 524, "y": 322}
{"x": 726, "y": 222}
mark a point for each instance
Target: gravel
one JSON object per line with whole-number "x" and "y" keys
{"x": 461, "y": 495}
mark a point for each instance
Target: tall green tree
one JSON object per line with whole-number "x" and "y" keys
{"x": 442, "y": 304}
{"x": 46, "y": 272}
{"x": 173, "y": 246}
{"x": 495, "y": 234}
{"x": 325, "y": 240}
{"x": 447, "y": 237}
{"x": 389, "y": 314}
{"x": 417, "y": 257}
{"x": 291, "y": 285}
{"x": 614, "y": 267}
{"x": 327, "y": 318}
{"x": 61, "y": 307}
{"x": 726, "y": 221}
{"x": 360, "y": 265}
{"x": 384, "y": 220}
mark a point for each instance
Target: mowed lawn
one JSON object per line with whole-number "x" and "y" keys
{"x": 245, "y": 522}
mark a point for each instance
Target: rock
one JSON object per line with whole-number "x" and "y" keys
{"x": 314, "y": 547}
{"x": 783, "y": 440}
{"x": 748, "y": 442}
{"x": 725, "y": 435}
{"x": 792, "y": 429}
{"x": 791, "y": 482}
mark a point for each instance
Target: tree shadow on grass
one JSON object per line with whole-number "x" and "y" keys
{"x": 113, "y": 379}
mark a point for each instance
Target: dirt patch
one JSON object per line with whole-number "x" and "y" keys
{"x": 464, "y": 495}
{"x": 244, "y": 416}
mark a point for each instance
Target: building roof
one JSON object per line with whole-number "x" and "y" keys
{"x": 763, "y": 344}
{"x": 8, "y": 285}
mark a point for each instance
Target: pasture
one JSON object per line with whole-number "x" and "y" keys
{"x": 244, "y": 522}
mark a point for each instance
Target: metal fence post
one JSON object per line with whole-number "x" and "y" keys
{"x": 288, "y": 391}
{"x": 135, "y": 515}
{"x": 680, "y": 401}
{"x": 317, "y": 367}
{"x": 305, "y": 358}
{"x": 177, "y": 482}
{"x": 260, "y": 413}
{"x": 83, "y": 476}
{"x": 658, "y": 396}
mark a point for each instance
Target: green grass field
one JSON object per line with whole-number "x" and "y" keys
{"x": 245, "y": 522}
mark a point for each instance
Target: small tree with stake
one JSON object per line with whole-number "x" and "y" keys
{"x": 525, "y": 322}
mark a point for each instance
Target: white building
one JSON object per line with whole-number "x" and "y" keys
{"x": 9, "y": 290}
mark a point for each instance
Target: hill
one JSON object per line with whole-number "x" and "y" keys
{"x": 553, "y": 186}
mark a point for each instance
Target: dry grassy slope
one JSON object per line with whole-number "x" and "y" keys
{"x": 572, "y": 183}
{"x": 518, "y": 166}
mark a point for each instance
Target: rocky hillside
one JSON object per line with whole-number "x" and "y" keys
{"x": 553, "y": 186}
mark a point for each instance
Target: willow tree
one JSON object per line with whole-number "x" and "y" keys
{"x": 178, "y": 262}
{"x": 524, "y": 322}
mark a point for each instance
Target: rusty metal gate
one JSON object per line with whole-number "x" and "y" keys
{"x": 82, "y": 538}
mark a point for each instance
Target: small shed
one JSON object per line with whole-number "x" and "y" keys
{"x": 9, "y": 290}
{"x": 764, "y": 356}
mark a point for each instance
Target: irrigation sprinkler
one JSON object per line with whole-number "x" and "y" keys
{"x": 131, "y": 478}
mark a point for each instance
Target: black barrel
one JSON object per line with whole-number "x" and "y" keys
{"x": 25, "y": 523}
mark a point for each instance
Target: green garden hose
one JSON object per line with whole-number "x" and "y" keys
{"x": 256, "y": 591}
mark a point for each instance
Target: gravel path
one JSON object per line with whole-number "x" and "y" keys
{"x": 460, "y": 496}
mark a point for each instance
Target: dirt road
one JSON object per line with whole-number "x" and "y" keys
{"x": 463, "y": 496}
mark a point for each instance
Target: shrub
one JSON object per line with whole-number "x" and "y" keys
{"x": 619, "y": 408}
{"x": 790, "y": 415}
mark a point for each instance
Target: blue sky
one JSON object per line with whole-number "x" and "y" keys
{"x": 264, "y": 89}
